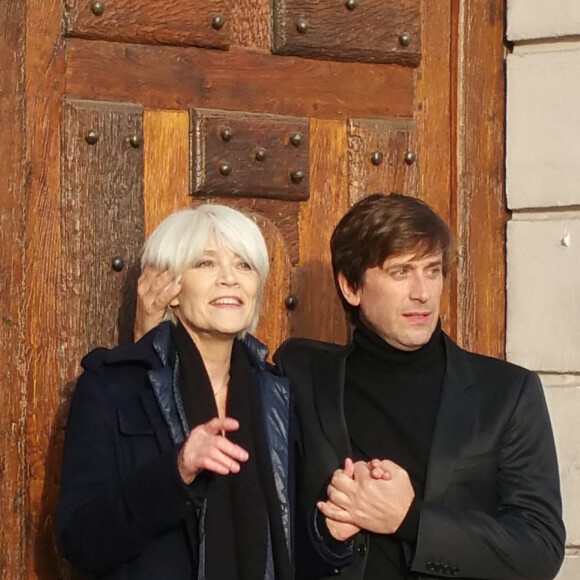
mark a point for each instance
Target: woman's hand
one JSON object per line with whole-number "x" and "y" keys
{"x": 342, "y": 531}
{"x": 155, "y": 292}
{"x": 206, "y": 448}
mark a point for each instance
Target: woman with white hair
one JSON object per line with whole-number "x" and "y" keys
{"x": 176, "y": 461}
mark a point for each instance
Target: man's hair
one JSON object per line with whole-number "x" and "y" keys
{"x": 380, "y": 226}
{"x": 182, "y": 237}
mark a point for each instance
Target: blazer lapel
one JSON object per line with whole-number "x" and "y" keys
{"x": 328, "y": 374}
{"x": 454, "y": 419}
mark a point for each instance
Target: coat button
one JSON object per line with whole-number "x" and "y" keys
{"x": 430, "y": 567}
{"x": 335, "y": 572}
{"x": 361, "y": 550}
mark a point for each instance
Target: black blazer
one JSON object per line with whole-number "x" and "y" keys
{"x": 491, "y": 506}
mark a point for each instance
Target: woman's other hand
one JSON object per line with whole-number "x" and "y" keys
{"x": 207, "y": 448}
{"x": 155, "y": 291}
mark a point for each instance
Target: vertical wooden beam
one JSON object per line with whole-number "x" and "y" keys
{"x": 479, "y": 182}
{"x": 12, "y": 372}
{"x": 434, "y": 115}
{"x": 329, "y": 200}
{"x": 44, "y": 70}
{"x": 166, "y": 180}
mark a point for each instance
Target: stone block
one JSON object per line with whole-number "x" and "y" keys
{"x": 543, "y": 289}
{"x": 564, "y": 404}
{"x": 548, "y": 19}
{"x": 543, "y": 121}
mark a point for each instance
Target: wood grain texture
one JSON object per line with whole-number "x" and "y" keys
{"x": 319, "y": 313}
{"x": 370, "y": 32}
{"x": 393, "y": 140}
{"x": 434, "y": 102}
{"x": 44, "y": 73}
{"x": 273, "y": 327}
{"x": 481, "y": 206}
{"x": 248, "y": 175}
{"x": 102, "y": 220}
{"x": 162, "y": 77}
{"x": 250, "y": 24}
{"x": 13, "y": 477}
{"x": 166, "y": 165}
{"x": 169, "y": 22}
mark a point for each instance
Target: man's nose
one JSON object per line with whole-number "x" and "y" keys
{"x": 419, "y": 288}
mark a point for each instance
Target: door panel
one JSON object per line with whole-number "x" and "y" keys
{"x": 150, "y": 65}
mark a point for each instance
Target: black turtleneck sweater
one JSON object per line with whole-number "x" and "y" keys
{"x": 390, "y": 400}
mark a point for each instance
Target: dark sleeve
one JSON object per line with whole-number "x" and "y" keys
{"x": 316, "y": 553}
{"x": 106, "y": 517}
{"x": 526, "y": 538}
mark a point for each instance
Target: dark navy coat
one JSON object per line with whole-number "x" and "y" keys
{"x": 124, "y": 511}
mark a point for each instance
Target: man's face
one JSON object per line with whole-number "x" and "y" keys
{"x": 400, "y": 299}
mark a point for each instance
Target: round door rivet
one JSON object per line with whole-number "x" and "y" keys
{"x": 225, "y": 168}
{"x": 297, "y": 176}
{"x": 404, "y": 39}
{"x": 296, "y": 138}
{"x": 92, "y": 137}
{"x": 226, "y": 133}
{"x": 260, "y": 154}
{"x": 302, "y": 26}
{"x": 351, "y": 4}
{"x": 98, "y": 8}
{"x": 410, "y": 157}
{"x": 135, "y": 141}
{"x": 377, "y": 158}
{"x": 218, "y": 21}
{"x": 117, "y": 263}
{"x": 291, "y": 302}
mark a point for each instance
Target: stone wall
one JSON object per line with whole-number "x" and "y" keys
{"x": 543, "y": 238}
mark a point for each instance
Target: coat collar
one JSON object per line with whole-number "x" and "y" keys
{"x": 329, "y": 369}
{"x": 453, "y": 421}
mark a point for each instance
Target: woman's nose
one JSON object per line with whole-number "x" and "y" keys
{"x": 227, "y": 275}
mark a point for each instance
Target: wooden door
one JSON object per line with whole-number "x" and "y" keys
{"x": 290, "y": 109}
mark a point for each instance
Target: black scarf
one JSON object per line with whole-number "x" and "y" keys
{"x": 236, "y": 526}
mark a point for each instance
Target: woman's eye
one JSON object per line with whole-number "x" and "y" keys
{"x": 245, "y": 265}
{"x": 204, "y": 264}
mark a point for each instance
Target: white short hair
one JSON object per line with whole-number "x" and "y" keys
{"x": 182, "y": 237}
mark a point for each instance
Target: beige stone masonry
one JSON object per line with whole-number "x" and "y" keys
{"x": 529, "y": 19}
{"x": 543, "y": 129}
{"x": 543, "y": 286}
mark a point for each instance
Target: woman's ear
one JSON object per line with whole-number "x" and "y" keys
{"x": 351, "y": 295}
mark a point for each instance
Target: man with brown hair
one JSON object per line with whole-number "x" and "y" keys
{"x": 427, "y": 460}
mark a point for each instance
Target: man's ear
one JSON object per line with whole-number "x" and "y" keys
{"x": 351, "y": 295}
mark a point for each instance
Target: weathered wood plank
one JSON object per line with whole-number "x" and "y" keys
{"x": 273, "y": 327}
{"x": 382, "y": 158}
{"x": 433, "y": 112}
{"x": 250, "y": 24}
{"x": 162, "y": 77}
{"x": 13, "y": 477}
{"x": 102, "y": 199}
{"x": 240, "y": 154}
{"x": 44, "y": 73}
{"x": 481, "y": 206}
{"x": 319, "y": 313}
{"x": 192, "y": 23}
{"x": 166, "y": 171}
{"x": 370, "y": 31}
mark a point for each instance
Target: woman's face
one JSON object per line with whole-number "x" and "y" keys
{"x": 219, "y": 294}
